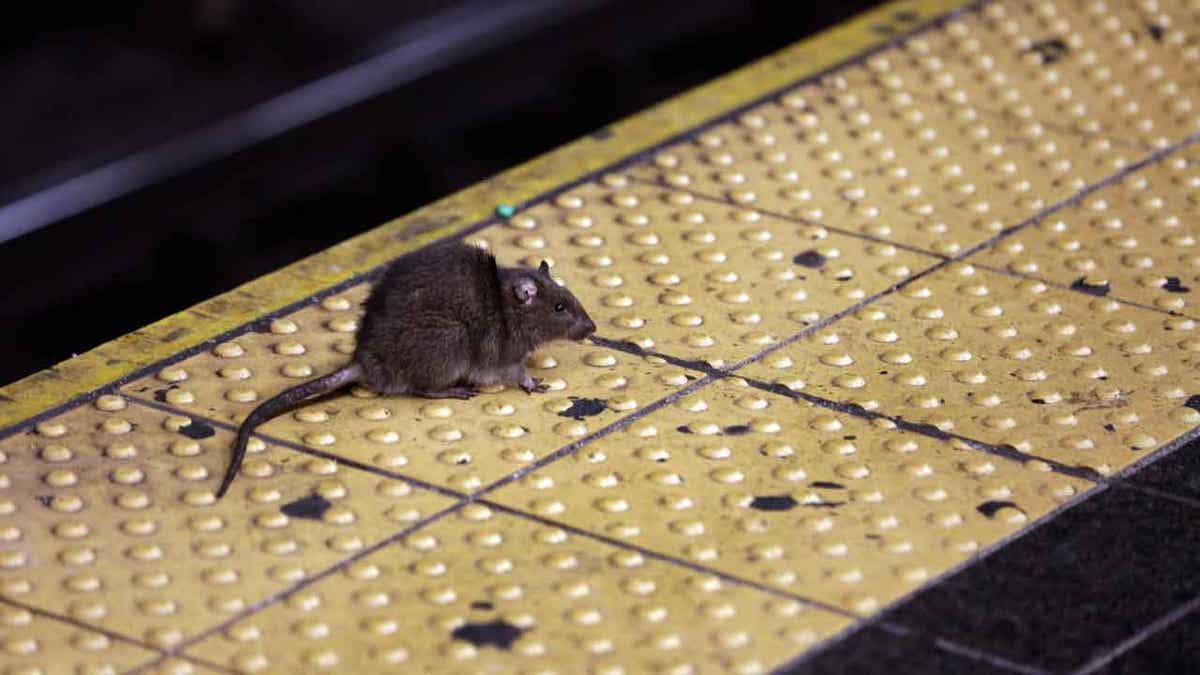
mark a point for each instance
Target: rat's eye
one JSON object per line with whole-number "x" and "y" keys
{"x": 559, "y": 307}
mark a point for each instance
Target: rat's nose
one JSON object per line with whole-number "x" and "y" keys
{"x": 582, "y": 329}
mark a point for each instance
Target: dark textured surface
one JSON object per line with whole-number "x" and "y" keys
{"x": 1175, "y": 649}
{"x": 876, "y": 650}
{"x": 1178, "y": 473}
{"x": 1072, "y": 589}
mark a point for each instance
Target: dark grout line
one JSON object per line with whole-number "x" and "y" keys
{"x": 259, "y": 606}
{"x": 301, "y": 448}
{"x": 670, "y": 559}
{"x": 618, "y": 425}
{"x": 150, "y": 663}
{"x": 72, "y": 621}
{"x": 619, "y": 164}
{"x": 880, "y": 620}
{"x": 1141, "y": 636}
{"x": 1066, "y": 287}
{"x": 1003, "y": 451}
{"x": 800, "y": 220}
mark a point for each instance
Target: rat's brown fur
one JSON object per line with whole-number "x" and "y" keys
{"x": 440, "y": 323}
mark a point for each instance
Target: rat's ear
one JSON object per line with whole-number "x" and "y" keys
{"x": 525, "y": 290}
{"x": 544, "y": 268}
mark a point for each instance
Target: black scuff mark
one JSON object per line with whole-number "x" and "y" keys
{"x": 499, "y": 633}
{"x": 737, "y": 429}
{"x": 810, "y": 259}
{"x": 828, "y": 485}
{"x": 1155, "y": 32}
{"x": 1098, "y": 290}
{"x": 45, "y": 500}
{"x": 824, "y": 505}
{"x": 197, "y": 430}
{"x": 160, "y": 395}
{"x": 1193, "y": 402}
{"x": 1173, "y": 286}
{"x": 923, "y": 428}
{"x": 1051, "y": 50}
{"x": 1039, "y": 401}
{"x": 989, "y": 508}
{"x": 482, "y": 605}
{"x": 1109, "y": 427}
{"x": 312, "y": 507}
{"x": 584, "y": 407}
{"x": 774, "y": 503}
{"x": 683, "y": 429}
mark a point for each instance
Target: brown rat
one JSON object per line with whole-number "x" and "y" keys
{"x": 441, "y": 322}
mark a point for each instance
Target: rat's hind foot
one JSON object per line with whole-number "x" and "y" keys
{"x": 532, "y": 384}
{"x": 453, "y": 392}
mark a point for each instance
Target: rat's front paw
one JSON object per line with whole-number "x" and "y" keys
{"x": 532, "y": 384}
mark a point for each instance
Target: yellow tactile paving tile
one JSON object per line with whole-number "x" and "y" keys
{"x": 692, "y": 277}
{"x": 460, "y": 445}
{"x": 860, "y": 152}
{"x": 1078, "y": 64}
{"x": 823, "y": 504}
{"x": 1136, "y": 240}
{"x": 33, "y": 644}
{"x": 107, "y": 517}
{"x": 485, "y": 592}
{"x": 1084, "y": 381}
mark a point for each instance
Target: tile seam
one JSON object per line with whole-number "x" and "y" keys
{"x": 179, "y": 649}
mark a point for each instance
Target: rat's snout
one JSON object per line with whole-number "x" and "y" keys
{"x": 583, "y": 327}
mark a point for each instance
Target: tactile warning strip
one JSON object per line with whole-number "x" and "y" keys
{"x": 1134, "y": 241}
{"x": 486, "y": 592}
{"x": 826, "y": 505}
{"x": 115, "y": 525}
{"x": 893, "y": 413}
{"x": 30, "y": 641}
{"x": 1087, "y": 382}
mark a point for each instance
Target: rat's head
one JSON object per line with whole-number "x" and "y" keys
{"x": 545, "y": 310}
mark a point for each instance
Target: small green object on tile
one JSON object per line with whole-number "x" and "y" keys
{"x": 505, "y": 210}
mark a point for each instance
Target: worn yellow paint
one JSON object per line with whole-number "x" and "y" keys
{"x": 567, "y": 603}
{"x": 811, "y": 501}
{"x": 119, "y": 358}
{"x": 1147, "y": 252}
{"x": 122, "y": 533}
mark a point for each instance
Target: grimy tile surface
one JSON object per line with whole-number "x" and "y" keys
{"x": 869, "y": 311}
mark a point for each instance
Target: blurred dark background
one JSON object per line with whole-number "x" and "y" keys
{"x": 171, "y": 210}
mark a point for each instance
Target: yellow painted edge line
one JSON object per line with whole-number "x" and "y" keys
{"x": 123, "y": 356}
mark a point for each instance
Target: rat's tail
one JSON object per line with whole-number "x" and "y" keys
{"x": 278, "y": 404}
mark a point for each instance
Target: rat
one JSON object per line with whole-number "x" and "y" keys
{"x": 441, "y": 322}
